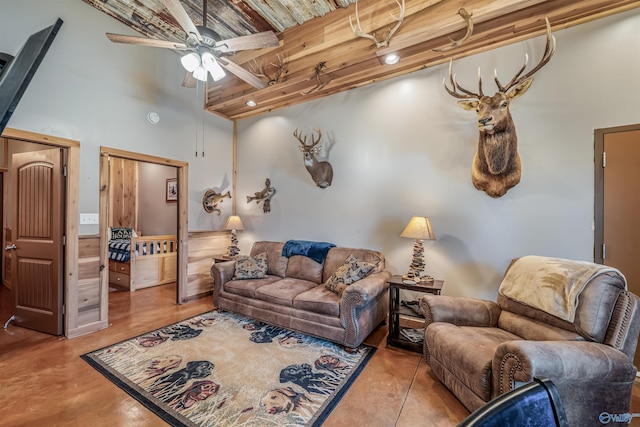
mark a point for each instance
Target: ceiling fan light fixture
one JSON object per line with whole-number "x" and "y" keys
{"x": 200, "y": 73}
{"x": 190, "y": 61}
{"x": 210, "y": 64}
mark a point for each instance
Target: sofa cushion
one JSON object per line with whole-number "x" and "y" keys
{"x": 318, "y": 300}
{"x": 284, "y": 291}
{"x": 251, "y": 267}
{"x": 247, "y": 288}
{"x": 337, "y": 256}
{"x": 276, "y": 263}
{"x": 472, "y": 367}
{"x": 304, "y": 268}
{"x": 351, "y": 271}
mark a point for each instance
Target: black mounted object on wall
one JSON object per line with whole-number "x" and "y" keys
{"x": 16, "y": 73}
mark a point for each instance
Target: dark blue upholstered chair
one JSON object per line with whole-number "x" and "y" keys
{"x": 536, "y": 404}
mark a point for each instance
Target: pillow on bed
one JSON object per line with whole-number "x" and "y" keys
{"x": 350, "y": 271}
{"x": 120, "y": 233}
{"x": 251, "y": 267}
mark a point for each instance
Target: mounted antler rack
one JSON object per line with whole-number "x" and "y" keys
{"x": 281, "y": 70}
{"x": 359, "y": 32}
{"x": 455, "y": 43}
{"x": 320, "y": 84}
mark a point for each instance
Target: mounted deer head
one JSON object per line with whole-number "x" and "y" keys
{"x": 321, "y": 172}
{"x": 496, "y": 164}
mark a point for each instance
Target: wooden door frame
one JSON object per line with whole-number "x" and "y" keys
{"x": 183, "y": 220}
{"x": 598, "y": 140}
{"x": 71, "y": 219}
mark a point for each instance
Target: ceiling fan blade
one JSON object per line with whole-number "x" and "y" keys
{"x": 189, "y": 80}
{"x": 178, "y": 12}
{"x": 143, "y": 41}
{"x": 240, "y": 72}
{"x": 252, "y": 41}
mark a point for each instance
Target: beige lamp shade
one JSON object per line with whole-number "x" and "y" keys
{"x": 419, "y": 228}
{"x": 234, "y": 223}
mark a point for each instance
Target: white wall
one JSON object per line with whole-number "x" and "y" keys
{"x": 398, "y": 148}
{"x": 403, "y": 147}
{"x": 98, "y": 92}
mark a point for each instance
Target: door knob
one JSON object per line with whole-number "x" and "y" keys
{"x": 10, "y": 247}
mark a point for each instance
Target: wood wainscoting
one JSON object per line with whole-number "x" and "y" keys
{"x": 203, "y": 245}
{"x": 88, "y": 279}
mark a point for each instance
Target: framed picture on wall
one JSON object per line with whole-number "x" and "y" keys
{"x": 172, "y": 190}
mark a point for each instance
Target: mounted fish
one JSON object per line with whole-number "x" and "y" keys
{"x": 211, "y": 199}
{"x": 264, "y": 195}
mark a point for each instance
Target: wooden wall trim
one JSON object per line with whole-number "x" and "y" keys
{"x": 183, "y": 233}
{"x": 114, "y": 152}
{"x": 24, "y": 135}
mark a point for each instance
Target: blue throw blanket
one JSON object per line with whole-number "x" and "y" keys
{"x": 317, "y": 251}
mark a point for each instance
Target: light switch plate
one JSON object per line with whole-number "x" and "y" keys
{"x": 86, "y": 219}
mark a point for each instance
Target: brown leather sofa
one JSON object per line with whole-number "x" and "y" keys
{"x": 481, "y": 349}
{"x": 293, "y": 294}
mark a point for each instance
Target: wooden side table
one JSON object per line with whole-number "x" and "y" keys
{"x": 400, "y": 336}
{"x": 221, "y": 258}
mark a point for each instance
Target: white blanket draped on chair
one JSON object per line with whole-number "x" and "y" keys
{"x": 552, "y": 285}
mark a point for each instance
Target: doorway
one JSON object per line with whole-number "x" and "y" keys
{"x": 617, "y": 203}
{"x": 65, "y": 277}
{"x": 106, "y": 154}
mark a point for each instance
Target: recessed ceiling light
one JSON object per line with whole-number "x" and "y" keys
{"x": 251, "y": 103}
{"x": 392, "y": 58}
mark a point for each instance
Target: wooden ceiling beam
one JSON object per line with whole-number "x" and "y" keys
{"x": 353, "y": 62}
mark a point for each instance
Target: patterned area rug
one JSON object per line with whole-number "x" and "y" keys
{"x": 221, "y": 369}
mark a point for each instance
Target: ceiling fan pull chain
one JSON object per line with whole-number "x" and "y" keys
{"x": 196, "y": 117}
{"x": 204, "y": 89}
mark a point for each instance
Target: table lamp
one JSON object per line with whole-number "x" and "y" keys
{"x": 419, "y": 228}
{"x": 233, "y": 223}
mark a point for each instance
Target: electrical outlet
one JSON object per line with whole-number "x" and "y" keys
{"x": 86, "y": 219}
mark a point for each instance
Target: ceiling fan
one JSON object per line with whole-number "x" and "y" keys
{"x": 205, "y": 49}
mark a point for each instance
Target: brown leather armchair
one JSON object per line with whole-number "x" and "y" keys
{"x": 481, "y": 349}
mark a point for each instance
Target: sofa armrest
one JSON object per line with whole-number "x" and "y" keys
{"x": 364, "y": 304}
{"x": 221, "y": 272}
{"x": 459, "y": 311}
{"x": 366, "y": 289}
{"x": 561, "y": 361}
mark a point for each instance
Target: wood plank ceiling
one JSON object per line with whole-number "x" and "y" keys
{"x": 317, "y": 35}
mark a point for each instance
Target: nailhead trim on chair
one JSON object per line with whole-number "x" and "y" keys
{"x": 516, "y": 367}
{"x": 625, "y": 320}
{"x": 428, "y": 319}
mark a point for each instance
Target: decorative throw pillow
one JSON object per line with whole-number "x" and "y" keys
{"x": 350, "y": 271}
{"x": 121, "y": 233}
{"x": 251, "y": 267}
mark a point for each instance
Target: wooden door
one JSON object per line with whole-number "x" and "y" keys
{"x": 620, "y": 199}
{"x": 37, "y": 192}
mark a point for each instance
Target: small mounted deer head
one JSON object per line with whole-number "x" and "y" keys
{"x": 321, "y": 172}
{"x": 496, "y": 164}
